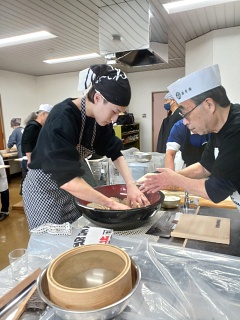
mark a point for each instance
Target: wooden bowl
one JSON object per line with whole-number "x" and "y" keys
{"x": 89, "y": 277}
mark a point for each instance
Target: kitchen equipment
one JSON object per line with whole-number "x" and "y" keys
{"x": 163, "y": 227}
{"x": 89, "y": 277}
{"x": 120, "y": 219}
{"x": 171, "y": 201}
{"x": 137, "y": 169}
{"x": 212, "y": 229}
{"x": 20, "y": 287}
{"x": 142, "y": 156}
{"x": 106, "y": 313}
{"x": 22, "y": 305}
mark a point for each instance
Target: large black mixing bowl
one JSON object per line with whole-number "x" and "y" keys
{"x": 120, "y": 219}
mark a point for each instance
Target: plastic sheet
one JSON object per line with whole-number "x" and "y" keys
{"x": 177, "y": 283}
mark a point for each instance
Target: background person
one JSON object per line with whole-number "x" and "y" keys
{"x": 16, "y": 136}
{"x": 75, "y": 129}
{"x": 4, "y": 192}
{"x": 206, "y": 108}
{"x": 34, "y": 123}
{"x": 191, "y": 145}
{"x": 173, "y": 116}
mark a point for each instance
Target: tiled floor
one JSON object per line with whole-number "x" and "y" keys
{"x": 14, "y": 229}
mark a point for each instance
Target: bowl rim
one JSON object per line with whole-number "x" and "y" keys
{"x": 178, "y": 198}
{"x": 132, "y": 210}
{"x": 72, "y": 311}
{"x": 86, "y": 248}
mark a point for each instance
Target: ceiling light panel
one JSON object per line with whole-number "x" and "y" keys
{"x": 185, "y": 5}
{"x": 25, "y": 38}
{"x": 73, "y": 58}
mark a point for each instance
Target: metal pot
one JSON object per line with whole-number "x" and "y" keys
{"x": 105, "y": 313}
{"x": 120, "y": 219}
{"x": 142, "y": 156}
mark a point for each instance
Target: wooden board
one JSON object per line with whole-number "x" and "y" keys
{"x": 212, "y": 229}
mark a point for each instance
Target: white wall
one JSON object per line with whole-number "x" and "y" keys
{"x": 226, "y": 44}
{"x": 55, "y": 88}
{"x": 19, "y": 97}
{"x": 199, "y": 53}
{"x": 220, "y": 47}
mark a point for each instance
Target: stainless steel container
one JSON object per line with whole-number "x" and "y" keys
{"x": 105, "y": 313}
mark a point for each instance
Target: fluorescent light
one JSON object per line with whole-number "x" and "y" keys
{"x": 25, "y": 38}
{"x": 185, "y": 5}
{"x": 74, "y": 58}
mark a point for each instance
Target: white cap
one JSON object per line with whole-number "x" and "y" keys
{"x": 195, "y": 83}
{"x": 45, "y": 107}
{"x": 85, "y": 79}
{"x": 168, "y": 96}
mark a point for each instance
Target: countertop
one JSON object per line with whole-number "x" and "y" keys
{"x": 227, "y": 203}
{"x": 175, "y": 282}
{"x": 231, "y": 249}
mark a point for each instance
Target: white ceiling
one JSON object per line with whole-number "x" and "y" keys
{"x": 76, "y": 25}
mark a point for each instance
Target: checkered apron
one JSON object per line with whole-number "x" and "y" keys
{"x": 44, "y": 201}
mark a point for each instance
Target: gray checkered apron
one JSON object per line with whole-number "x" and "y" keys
{"x": 44, "y": 201}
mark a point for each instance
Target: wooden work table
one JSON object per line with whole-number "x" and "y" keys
{"x": 10, "y": 155}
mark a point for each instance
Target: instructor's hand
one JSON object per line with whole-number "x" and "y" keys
{"x": 153, "y": 182}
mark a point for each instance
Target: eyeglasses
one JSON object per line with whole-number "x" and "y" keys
{"x": 185, "y": 116}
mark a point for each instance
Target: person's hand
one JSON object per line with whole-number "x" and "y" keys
{"x": 154, "y": 182}
{"x": 135, "y": 197}
{"x": 118, "y": 206}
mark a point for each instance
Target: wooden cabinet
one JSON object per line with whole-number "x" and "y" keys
{"x": 129, "y": 134}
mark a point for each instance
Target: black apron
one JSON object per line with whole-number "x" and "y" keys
{"x": 190, "y": 153}
{"x": 165, "y": 129}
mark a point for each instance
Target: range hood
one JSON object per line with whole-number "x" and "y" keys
{"x": 130, "y": 34}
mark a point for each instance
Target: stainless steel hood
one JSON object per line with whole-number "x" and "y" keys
{"x": 130, "y": 34}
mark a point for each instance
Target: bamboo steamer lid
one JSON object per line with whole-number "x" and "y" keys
{"x": 89, "y": 277}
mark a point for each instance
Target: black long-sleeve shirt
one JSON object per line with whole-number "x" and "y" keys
{"x": 56, "y": 153}
{"x": 30, "y": 136}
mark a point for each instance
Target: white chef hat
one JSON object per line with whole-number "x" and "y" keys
{"x": 195, "y": 83}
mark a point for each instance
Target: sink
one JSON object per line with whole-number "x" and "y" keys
{"x": 187, "y": 210}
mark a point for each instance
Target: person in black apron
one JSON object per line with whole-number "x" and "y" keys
{"x": 33, "y": 125}
{"x": 190, "y": 153}
{"x": 75, "y": 129}
{"x": 173, "y": 116}
{"x": 205, "y": 109}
